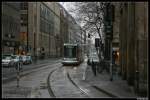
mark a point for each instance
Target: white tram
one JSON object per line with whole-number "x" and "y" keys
{"x": 73, "y": 54}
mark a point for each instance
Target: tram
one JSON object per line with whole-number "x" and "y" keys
{"x": 73, "y": 54}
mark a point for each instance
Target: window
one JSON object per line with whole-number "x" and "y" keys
{"x": 41, "y": 25}
{"x": 70, "y": 51}
{"x": 24, "y": 19}
{"x": 41, "y": 11}
{"x": 47, "y": 24}
{"x": 24, "y": 6}
{"x": 49, "y": 28}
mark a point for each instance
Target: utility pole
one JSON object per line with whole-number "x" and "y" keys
{"x": 35, "y": 21}
{"x": 27, "y": 26}
{"x": 109, "y": 18}
{"x": 49, "y": 44}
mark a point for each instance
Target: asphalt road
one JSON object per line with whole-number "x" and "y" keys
{"x": 66, "y": 81}
{"x": 31, "y": 85}
{"x": 8, "y": 74}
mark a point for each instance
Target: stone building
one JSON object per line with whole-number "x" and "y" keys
{"x": 74, "y": 31}
{"x": 133, "y": 44}
{"x": 42, "y": 28}
{"x": 49, "y": 29}
{"x": 10, "y": 27}
{"x": 45, "y": 27}
{"x": 24, "y": 32}
{"x": 63, "y": 28}
{"x": 116, "y": 22}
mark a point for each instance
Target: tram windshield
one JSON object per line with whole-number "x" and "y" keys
{"x": 69, "y": 51}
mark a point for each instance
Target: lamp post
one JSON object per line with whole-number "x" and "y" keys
{"x": 34, "y": 45}
{"x": 109, "y": 17}
{"x": 27, "y": 25}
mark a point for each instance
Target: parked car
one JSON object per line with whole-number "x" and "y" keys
{"x": 26, "y": 59}
{"x": 18, "y": 60}
{"x": 7, "y": 61}
{"x": 29, "y": 59}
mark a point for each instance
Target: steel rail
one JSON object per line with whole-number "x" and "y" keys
{"x": 83, "y": 91}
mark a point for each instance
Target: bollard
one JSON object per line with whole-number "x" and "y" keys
{"x": 18, "y": 77}
{"x": 111, "y": 72}
{"x": 137, "y": 82}
{"x": 93, "y": 68}
{"x": 18, "y": 74}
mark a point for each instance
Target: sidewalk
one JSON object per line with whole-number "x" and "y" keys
{"x": 117, "y": 87}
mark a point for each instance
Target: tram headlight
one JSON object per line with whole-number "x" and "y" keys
{"x": 74, "y": 58}
{"x": 64, "y": 58}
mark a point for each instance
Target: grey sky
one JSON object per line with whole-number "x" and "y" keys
{"x": 67, "y": 6}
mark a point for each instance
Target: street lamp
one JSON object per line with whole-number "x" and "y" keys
{"x": 27, "y": 25}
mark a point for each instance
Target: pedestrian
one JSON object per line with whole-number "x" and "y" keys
{"x": 113, "y": 57}
{"x": 93, "y": 68}
{"x": 101, "y": 66}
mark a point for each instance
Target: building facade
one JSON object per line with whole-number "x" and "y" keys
{"x": 134, "y": 44}
{"x": 63, "y": 28}
{"x": 38, "y": 28}
{"x": 42, "y": 29}
{"x": 10, "y": 27}
{"x": 74, "y": 31}
{"x": 130, "y": 39}
{"x": 24, "y": 44}
{"x": 116, "y": 24}
{"x": 47, "y": 26}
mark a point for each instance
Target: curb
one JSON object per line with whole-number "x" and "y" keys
{"x": 106, "y": 92}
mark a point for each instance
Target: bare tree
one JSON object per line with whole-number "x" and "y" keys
{"x": 90, "y": 16}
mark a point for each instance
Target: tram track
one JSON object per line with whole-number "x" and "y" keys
{"x": 100, "y": 90}
{"x": 49, "y": 85}
{"x": 83, "y": 91}
{"x": 51, "y": 92}
{"x": 26, "y": 72}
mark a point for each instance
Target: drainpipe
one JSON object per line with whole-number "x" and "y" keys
{"x": 111, "y": 67}
{"x": 27, "y": 26}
